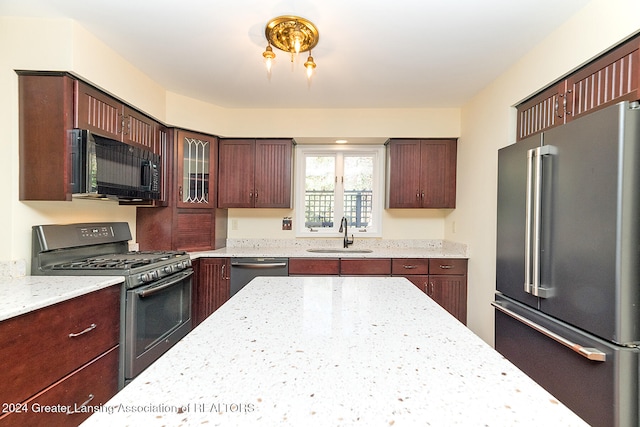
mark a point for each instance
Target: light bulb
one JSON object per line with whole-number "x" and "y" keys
{"x": 310, "y": 65}
{"x": 269, "y": 56}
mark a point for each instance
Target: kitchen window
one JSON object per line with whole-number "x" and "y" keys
{"x": 335, "y": 182}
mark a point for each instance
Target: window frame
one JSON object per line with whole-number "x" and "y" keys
{"x": 378, "y": 187}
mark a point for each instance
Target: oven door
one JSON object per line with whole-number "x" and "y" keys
{"x": 157, "y": 315}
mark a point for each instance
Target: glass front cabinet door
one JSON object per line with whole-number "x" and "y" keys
{"x": 196, "y": 164}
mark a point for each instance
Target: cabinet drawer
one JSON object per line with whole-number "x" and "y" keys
{"x": 408, "y": 266}
{"x": 314, "y": 266}
{"x": 92, "y": 385}
{"x": 43, "y": 346}
{"x": 366, "y": 267}
{"x": 447, "y": 266}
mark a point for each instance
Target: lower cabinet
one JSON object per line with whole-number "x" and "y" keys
{"x": 71, "y": 400}
{"x": 365, "y": 266}
{"x": 314, "y": 266}
{"x": 211, "y": 287}
{"x": 61, "y": 358}
{"x": 443, "y": 279}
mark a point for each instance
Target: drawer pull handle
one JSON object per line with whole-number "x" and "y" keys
{"x": 89, "y": 329}
{"x": 410, "y": 267}
{"x": 91, "y": 396}
{"x": 446, "y": 267}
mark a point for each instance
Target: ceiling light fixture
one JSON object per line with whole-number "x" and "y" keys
{"x": 293, "y": 35}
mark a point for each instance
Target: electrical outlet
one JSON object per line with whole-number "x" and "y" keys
{"x": 286, "y": 223}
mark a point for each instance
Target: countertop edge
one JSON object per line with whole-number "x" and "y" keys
{"x": 22, "y": 295}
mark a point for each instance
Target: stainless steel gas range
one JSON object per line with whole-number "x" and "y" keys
{"x": 156, "y": 295}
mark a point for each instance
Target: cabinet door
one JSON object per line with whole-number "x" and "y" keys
{"x": 420, "y": 280}
{"x": 438, "y": 173}
{"x": 85, "y": 389}
{"x": 98, "y": 112}
{"x": 196, "y": 169}
{"x": 403, "y": 175}
{"x": 236, "y": 177}
{"x": 366, "y": 267}
{"x": 544, "y": 111}
{"x": 211, "y": 289}
{"x": 450, "y": 291}
{"x": 46, "y": 115}
{"x": 273, "y": 173}
{"x": 611, "y": 78}
{"x": 140, "y": 130}
{"x": 314, "y": 266}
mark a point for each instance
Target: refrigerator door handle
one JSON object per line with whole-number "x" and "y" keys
{"x": 528, "y": 286}
{"x": 587, "y": 352}
{"x": 533, "y": 215}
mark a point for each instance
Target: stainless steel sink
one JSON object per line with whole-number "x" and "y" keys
{"x": 340, "y": 251}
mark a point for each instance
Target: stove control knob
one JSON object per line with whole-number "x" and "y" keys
{"x": 187, "y": 263}
{"x": 145, "y": 277}
{"x": 168, "y": 269}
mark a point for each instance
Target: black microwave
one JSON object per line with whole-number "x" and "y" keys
{"x": 104, "y": 167}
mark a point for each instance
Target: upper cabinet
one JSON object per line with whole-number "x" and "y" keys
{"x": 196, "y": 166}
{"x": 610, "y": 78}
{"x": 53, "y": 103}
{"x": 255, "y": 173}
{"x": 421, "y": 173}
{"x": 190, "y": 220}
{"x": 104, "y": 115}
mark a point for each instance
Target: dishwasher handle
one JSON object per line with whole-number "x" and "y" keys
{"x": 258, "y": 265}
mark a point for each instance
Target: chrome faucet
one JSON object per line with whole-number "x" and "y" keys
{"x": 343, "y": 227}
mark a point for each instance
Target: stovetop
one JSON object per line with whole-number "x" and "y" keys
{"x": 124, "y": 261}
{"x": 94, "y": 249}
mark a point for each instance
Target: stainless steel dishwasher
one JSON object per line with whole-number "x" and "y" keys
{"x": 243, "y": 270}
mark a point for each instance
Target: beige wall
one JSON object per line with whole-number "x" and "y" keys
{"x": 485, "y": 124}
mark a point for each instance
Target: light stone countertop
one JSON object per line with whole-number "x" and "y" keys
{"x": 331, "y": 351}
{"x": 293, "y": 248}
{"x": 20, "y": 295}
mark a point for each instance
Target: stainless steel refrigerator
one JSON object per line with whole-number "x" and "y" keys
{"x": 567, "y": 305}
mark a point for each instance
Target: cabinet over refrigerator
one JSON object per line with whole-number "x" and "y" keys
{"x": 568, "y": 262}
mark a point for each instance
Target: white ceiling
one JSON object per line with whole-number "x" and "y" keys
{"x": 371, "y": 53}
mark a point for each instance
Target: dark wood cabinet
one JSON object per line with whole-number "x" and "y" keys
{"x": 45, "y": 118}
{"x": 211, "y": 287}
{"x": 255, "y": 173}
{"x": 196, "y": 169}
{"x": 421, "y": 173}
{"x": 610, "y": 78}
{"x": 314, "y": 266}
{"x": 190, "y": 220}
{"x": 443, "y": 279}
{"x": 53, "y": 103}
{"x": 365, "y": 266}
{"x": 544, "y": 111}
{"x": 63, "y": 354}
{"x": 102, "y": 114}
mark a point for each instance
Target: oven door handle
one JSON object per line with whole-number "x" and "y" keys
{"x": 159, "y": 287}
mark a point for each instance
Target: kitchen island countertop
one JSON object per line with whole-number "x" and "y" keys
{"x": 332, "y": 351}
